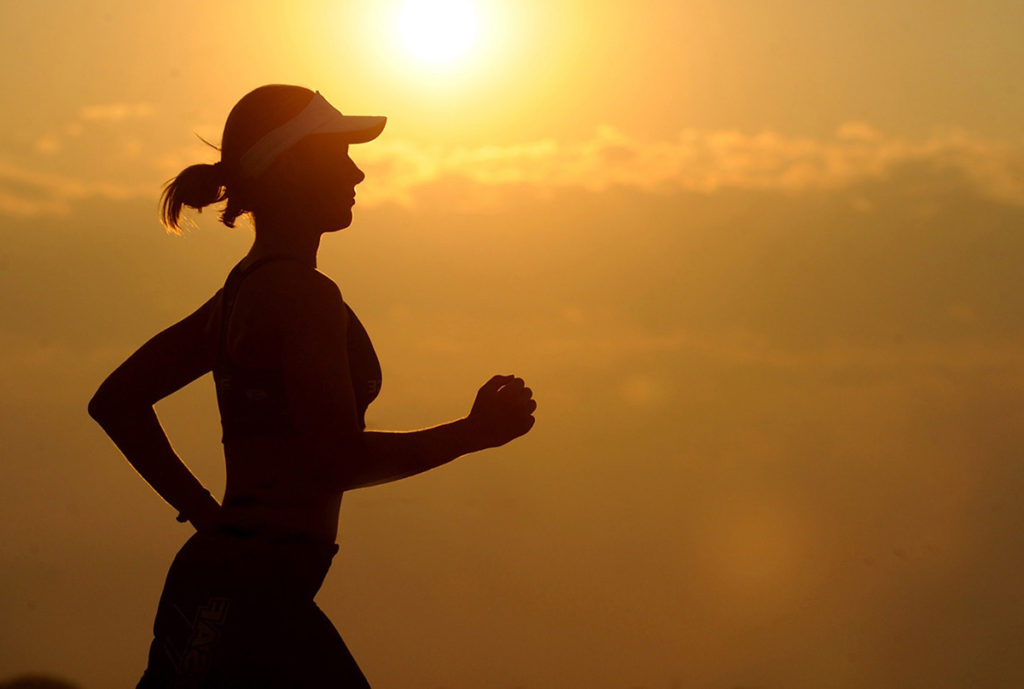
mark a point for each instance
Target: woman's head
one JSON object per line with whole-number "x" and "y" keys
{"x": 284, "y": 152}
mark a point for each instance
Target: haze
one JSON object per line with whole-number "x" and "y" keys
{"x": 759, "y": 262}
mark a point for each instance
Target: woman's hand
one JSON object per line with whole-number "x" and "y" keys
{"x": 205, "y": 515}
{"x": 503, "y": 410}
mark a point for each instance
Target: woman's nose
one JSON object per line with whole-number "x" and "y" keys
{"x": 359, "y": 175}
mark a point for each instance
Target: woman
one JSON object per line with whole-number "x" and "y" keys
{"x": 294, "y": 373}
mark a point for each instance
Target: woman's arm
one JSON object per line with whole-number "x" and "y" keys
{"x": 503, "y": 410}
{"x": 392, "y": 455}
{"x": 309, "y": 318}
{"x": 123, "y": 406}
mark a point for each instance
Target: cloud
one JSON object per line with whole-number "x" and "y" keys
{"x": 29, "y": 193}
{"x": 697, "y": 160}
{"x": 601, "y": 350}
{"x": 694, "y": 160}
{"x": 91, "y": 116}
{"x": 48, "y": 144}
{"x": 115, "y": 112}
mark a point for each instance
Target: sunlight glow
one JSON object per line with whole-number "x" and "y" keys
{"x": 438, "y": 30}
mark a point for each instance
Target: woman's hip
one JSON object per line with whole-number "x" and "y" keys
{"x": 238, "y": 608}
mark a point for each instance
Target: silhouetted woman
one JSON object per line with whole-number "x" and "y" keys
{"x": 294, "y": 372}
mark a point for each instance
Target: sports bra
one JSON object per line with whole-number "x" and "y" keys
{"x": 252, "y": 400}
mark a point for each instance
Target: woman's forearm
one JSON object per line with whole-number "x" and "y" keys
{"x": 392, "y": 455}
{"x": 136, "y": 431}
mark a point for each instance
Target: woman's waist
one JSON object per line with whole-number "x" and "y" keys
{"x": 283, "y": 519}
{"x": 278, "y": 469}
{"x": 245, "y": 564}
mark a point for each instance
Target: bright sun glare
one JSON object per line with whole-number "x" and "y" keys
{"x": 438, "y": 30}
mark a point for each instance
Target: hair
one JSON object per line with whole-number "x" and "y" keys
{"x": 257, "y": 113}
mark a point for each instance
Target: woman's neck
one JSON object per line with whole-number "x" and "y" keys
{"x": 281, "y": 239}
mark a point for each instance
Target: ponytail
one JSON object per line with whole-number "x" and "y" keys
{"x": 195, "y": 186}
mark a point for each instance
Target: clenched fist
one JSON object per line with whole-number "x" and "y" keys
{"x": 503, "y": 410}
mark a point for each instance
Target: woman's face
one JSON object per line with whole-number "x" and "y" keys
{"x": 321, "y": 181}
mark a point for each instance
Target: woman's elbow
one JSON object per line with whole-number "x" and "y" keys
{"x": 106, "y": 403}
{"x": 100, "y": 407}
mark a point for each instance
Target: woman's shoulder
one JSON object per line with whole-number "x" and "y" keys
{"x": 289, "y": 279}
{"x": 279, "y": 302}
{"x": 290, "y": 290}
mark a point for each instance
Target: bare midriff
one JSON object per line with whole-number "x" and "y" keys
{"x": 270, "y": 492}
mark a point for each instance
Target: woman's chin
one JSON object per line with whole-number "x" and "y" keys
{"x": 340, "y": 222}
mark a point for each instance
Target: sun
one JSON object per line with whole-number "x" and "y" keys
{"x": 437, "y": 30}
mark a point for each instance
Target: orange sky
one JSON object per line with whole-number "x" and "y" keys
{"x": 759, "y": 262}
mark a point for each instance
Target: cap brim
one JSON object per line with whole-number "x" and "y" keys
{"x": 357, "y": 129}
